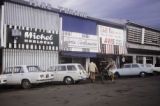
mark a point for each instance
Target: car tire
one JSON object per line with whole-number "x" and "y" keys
{"x": 142, "y": 74}
{"x": 116, "y": 75}
{"x": 68, "y": 80}
{"x": 26, "y": 84}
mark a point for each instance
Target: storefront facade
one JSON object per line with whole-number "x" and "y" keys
{"x": 143, "y": 44}
{"x": 78, "y": 40}
{"x": 112, "y": 43}
{"x": 28, "y": 37}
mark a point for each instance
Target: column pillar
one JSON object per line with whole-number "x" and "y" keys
{"x": 134, "y": 59}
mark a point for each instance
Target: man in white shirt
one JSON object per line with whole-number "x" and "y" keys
{"x": 92, "y": 70}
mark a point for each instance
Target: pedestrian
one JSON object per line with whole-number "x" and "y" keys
{"x": 92, "y": 70}
{"x": 111, "y": 67}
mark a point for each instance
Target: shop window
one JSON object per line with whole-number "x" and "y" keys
{"x": 149, "y": 60}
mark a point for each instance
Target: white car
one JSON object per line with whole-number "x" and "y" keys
{"x": 148, "y": 68}
{"x": 133, "y": 69}
{"x": 3, "y": 79}
{"x": 68, "y": 73}
{"x": 156, "y": 70}
{"x": 26, "y": 75}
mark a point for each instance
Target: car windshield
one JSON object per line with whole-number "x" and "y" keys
{"x": 81, "y": 68}
{"x": 33, "y": 69}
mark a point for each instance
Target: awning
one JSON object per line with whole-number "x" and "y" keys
{"x": 77, "y": 54}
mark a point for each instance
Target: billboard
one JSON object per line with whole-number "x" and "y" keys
{"x": 31, "y": 38}
{"x": 112, "y": 40}
{"x": 73, "y": 41}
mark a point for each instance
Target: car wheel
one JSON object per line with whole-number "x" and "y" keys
{"x": 142, "y": 74}
{"x": 26, "y": 84}
{"x": 116, "y": 75}
{"x": 68, "y": 80}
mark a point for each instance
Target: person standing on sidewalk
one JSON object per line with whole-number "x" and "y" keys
{"x": 92, "y": 70}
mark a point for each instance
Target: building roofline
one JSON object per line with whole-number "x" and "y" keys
{"x": 140, "y": 25}
{"x": 106, "y": 21}
{"x": 98, "y": 20}
{"x": 26, "y": 3}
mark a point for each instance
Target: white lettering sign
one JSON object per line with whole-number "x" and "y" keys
{"x": 33, "y": 35}
{"x": 40, "y": 4}
{"x": 77, "y": 42}
{"x": 112, "y": 36}
{"x": 72, "y": 12}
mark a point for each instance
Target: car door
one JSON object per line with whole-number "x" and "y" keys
{"x": 17, "y": 75}
{"x": 60, "y": 72}
{"x": 135, "y": 69}
{"x": 126, "y": 70}
{"x": 8, "y": 72}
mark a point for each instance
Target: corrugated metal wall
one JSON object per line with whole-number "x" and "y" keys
{"x": 44, "y": 59}
{"x": 134, "y": 34}
{"x": 30, "y": 17}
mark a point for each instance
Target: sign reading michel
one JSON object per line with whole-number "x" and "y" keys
{"x": 37, "y": 38}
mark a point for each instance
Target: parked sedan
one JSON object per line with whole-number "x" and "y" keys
{"x": 26, "y": 75}
{"x": 3, "y": 79}
{"x": 132, "y": 69}
{"x": 147, "y": 67}
{"x": 156, "y": 70}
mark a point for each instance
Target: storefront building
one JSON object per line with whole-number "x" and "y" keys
{"x": 112, "y": 42}
{"x": 78, "y": 40}
{"x": 34, "y": 33}
{"x": 143, "y": 44}
{"x": 29, "y": 34}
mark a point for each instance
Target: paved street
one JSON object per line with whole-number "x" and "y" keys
{"x": 124, "y": 92}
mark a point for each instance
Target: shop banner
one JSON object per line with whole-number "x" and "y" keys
{"x": 111, "y": 36}
{"x": 18, "y": 37}
{"x": 112, "y": 40}
{"x": 72, "y": 41}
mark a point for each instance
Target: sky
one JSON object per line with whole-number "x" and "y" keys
{"x": 145, "y": 12}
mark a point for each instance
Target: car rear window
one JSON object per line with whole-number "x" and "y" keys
{"x": 33, "y": 69}
{"x": 71, "y": 68}
{"x": 9, "y": 70}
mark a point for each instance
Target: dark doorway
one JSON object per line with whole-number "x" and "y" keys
{"x": 125, "y": 59}
{"x": 157, "y": 62}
